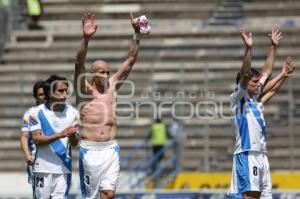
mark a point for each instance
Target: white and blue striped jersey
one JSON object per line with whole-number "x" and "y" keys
{"x": 56, "y": 156}
{"x": 248, "y": 121}
{"x": 25, "y": 128}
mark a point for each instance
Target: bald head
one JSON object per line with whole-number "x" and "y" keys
{"x": 100, "y": 73}
{"x": 99, "y": 66}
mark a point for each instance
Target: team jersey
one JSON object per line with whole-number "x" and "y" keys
{"x": 249, "y": 122}
{"x": 25, "y": 128}
{"x": 56, "y": 156}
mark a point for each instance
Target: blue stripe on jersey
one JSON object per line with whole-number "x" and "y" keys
{"x": 242, "y": 172}
{"x": 243, "y": 126}
{"x": 57, "y": 146}
{"x": 258, "y": 117}
{"x": 69, "y": 178}
{"x": 82, "y": 152}
{"x": 244, "y": 133}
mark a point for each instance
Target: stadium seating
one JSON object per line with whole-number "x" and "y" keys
{"x": 184, "y": 53}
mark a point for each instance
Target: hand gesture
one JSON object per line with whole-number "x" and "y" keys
{"x": 88, "y": 23}
{"x": 67, "y": 132}
{"x": 135, "y": 25}
{"x": 288, "y": 67}
{"x": 246, "y": 37}
{"x": 275, "y": 36}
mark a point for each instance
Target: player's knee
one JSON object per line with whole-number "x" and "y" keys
{"x": 109, "y": 194}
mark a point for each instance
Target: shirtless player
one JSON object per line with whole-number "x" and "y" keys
{"x": 99, "y": 163}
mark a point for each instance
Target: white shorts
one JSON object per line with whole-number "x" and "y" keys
{"x": 250, "y": 172}
{"x": 50, "y": 185}
{"x": 99, "y": 167}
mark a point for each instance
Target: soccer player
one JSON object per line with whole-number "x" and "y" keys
{"x": 99, "y": 163}
{"x": 53, "y": 131}
{"x": 250, "y": 172}
{"x": 26, "y": 141}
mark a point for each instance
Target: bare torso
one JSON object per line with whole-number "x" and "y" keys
{"x": 98, "y": 117}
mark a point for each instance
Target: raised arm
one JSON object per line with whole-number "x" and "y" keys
{"x": 270, "y": 84}
{"x": 275, "y": 37}
{"x": 126, "y": 67}
{"x": 89, "y": 28}
{"x": 246, "y": 67}
{"x": 245, "y": 72}
{"x": 275, "y": 84}
{"x": 286, "y": 67}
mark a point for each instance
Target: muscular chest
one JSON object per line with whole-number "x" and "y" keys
{"x": 99, "y": 108}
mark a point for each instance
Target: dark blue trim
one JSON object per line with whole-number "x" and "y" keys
{"x": 62, "y": 108}
{"x": 236, "y": 88}
{"x": 30, "y": 142}
{"x": 69, "y": 178}
{"x": 33, "y": 185}
{"x": 82, "y": 152}
{"x": 242, "y": 103}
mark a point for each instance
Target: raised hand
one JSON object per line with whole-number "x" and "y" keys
{"x": 135, "y": 25}
{"x": 246, "y": 37}
{"x": 275, "y": 36}
{"x": 88, "y": 23}
{"x": 288, "y": 67}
